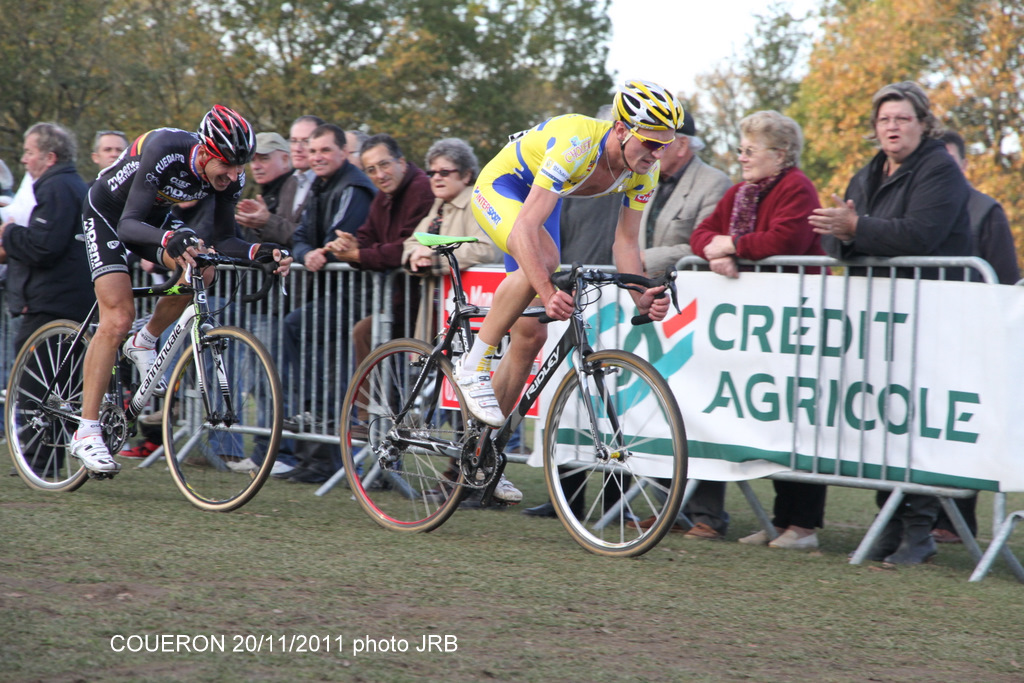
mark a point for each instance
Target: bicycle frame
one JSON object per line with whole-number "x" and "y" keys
{"x": 190, "y": 320}
{"x": 573, "y": 339}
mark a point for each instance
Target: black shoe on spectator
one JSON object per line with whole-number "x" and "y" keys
{"x": 309, "y": 475}
{"x": 543, "y": 510}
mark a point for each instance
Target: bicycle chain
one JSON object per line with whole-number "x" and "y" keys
{"x": 471, "y": 478}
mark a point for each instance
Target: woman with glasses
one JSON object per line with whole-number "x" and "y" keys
{"x": 767, "y": 215}
{"x": 452, "y": 168}
{"x": 910, "y": 200}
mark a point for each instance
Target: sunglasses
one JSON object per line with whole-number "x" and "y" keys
{"x": 443, "y": 172}
{"x": 650, "y": 144}
{"x": 750, "y": 152}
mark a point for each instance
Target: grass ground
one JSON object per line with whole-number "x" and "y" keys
{"x": 511, "y": 598}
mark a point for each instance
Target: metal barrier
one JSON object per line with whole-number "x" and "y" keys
{"x": 318, "y": 317}
{"x": 825, "y": 465}
{"x": 308, "y": 328}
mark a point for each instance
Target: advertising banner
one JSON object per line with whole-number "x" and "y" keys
{"x": 877, "y": 378}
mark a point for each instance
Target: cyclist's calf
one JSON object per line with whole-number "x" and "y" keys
{"x": 527, "y": 339}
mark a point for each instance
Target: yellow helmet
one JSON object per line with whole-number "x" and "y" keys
{"x": 642, "y": 104}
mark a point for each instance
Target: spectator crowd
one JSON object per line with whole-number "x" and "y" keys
{"x": 336, "y": 195}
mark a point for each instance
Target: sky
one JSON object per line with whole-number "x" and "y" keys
{"x": 670, "y": 42}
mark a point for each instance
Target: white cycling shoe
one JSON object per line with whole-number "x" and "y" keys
{"x": 507, "y": 492}
{"x": 93, "y": 453}
{"x": 143, "y": 359}
{"x": 479, "y": 395}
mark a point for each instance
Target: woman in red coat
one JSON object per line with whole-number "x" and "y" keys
{"x": 766, "y": 215}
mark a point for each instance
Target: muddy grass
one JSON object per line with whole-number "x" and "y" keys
{"x": 84, "y": 577}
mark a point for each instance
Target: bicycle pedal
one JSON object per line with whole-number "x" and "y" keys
{"x": 101, "y": 475}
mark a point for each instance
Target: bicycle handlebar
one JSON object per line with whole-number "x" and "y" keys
{"x": 577, "y": 278}
{"x": 214, "y": 259}
{"x": 574, "y": 279}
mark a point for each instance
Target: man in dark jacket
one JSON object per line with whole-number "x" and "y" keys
{"x": 48, "y": 273}
{"x": 315, "y": 336}
{"x": 339, "y": 200}
{"x": 404, "y": 198}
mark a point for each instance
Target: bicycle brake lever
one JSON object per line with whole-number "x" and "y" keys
{"x": 670, "y": 284}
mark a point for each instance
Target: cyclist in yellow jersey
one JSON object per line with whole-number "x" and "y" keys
{"x": 517, "y": 200}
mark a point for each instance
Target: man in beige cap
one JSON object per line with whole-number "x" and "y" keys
{"x": 267, "y": 217}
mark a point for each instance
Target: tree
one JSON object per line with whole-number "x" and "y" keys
{"x": 418, "y": 69}
{"x": 765, "y": 76}
{"x": 968, "y": 55}
{"x": 55, "y": 56}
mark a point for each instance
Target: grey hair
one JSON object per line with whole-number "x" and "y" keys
{"x": 100, "y": 135}
{"x": 696, "y": 143}
{"x": 52, "y": 137}
{"x": 458, "y": 152}
{"x": 906, "y": 91}
{"x": 779, "y": 132}
{"x": 361, "y": 137}
{"x": 310, "y": 118}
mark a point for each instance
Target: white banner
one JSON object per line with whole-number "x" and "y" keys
{"x": 869, "y": 378}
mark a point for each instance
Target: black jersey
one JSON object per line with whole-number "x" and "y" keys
{"x": 135, "y": 194}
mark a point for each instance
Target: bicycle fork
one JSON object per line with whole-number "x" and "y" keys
{"x": 591, "y": 375}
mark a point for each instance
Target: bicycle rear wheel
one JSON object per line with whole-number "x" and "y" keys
{"x": 39, "y": 429}
{"x": 631, "y": 459}
{"x": 222, "y": 419}
{"x": 402, "y": 471}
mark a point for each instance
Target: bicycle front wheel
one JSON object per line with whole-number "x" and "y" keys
{"x": 615, "y": 455}
{"x": 40, "y": 424}
{"x": 403, "y": 469}
{"x": 222, "y": 419}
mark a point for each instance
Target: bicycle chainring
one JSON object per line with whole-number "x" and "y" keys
{"x": 115, "y": 426}
{"x": 479, "y": 467}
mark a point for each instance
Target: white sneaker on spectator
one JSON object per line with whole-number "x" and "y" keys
{"x": 246, "y": 465}
{"x": 143, "y": 359}
{"x": 507, "y": 492}
{"x": 93, "y": 453}
{"x": 479, "y": 395}
{"x": 280, "y": 468}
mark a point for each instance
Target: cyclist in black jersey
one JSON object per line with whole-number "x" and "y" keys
{"x": 128, "y": 208}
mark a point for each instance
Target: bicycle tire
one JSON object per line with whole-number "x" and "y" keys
{"x": 200, "y": 444}
{"x": 645, "y": 477}
{"x": 415, "y": 490}
{"x": 36, "y": 439}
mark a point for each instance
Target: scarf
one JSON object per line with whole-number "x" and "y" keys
{"x": 744, "y": 208}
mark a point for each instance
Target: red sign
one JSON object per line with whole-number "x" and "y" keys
{"x": 479, "y": 285}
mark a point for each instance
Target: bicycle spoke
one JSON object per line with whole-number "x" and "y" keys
{"x": 633, "y": 474}
{"x": 403, "y": 475}
{"x": 40, "y": 424}
{"x": 222, "y": 420}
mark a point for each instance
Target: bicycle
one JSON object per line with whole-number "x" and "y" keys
{"x": 222, "y": 401}
{"x": 411, "y": 451}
